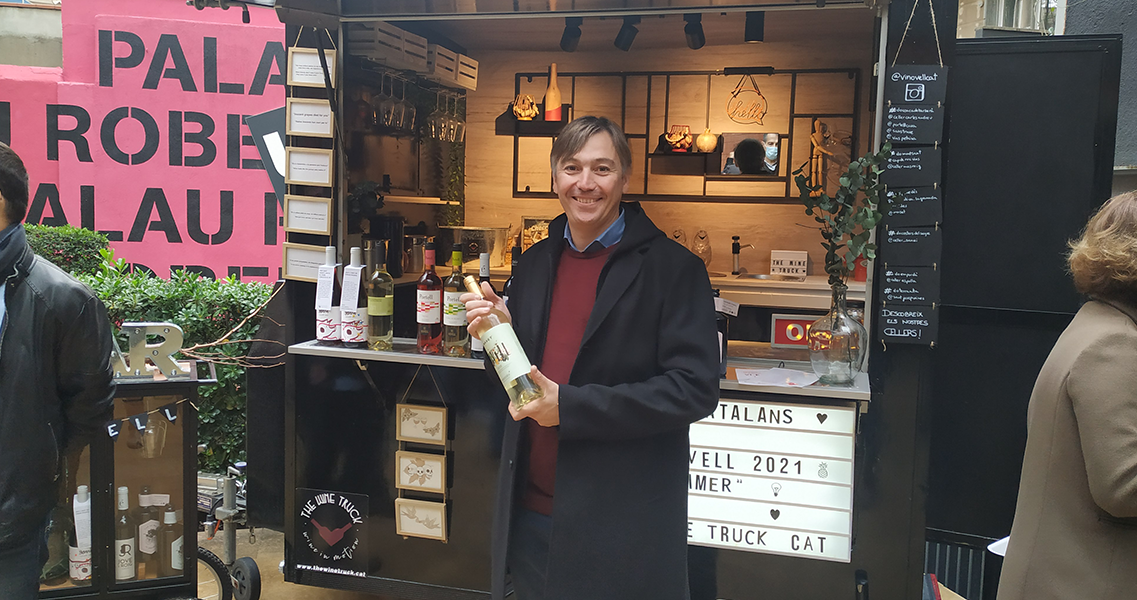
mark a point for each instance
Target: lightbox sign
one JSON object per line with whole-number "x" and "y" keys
{"x": 773, "y": 478}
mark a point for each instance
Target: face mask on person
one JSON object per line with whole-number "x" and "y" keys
{"x": 771, "y": 153}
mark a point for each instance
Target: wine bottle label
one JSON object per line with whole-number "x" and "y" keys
{"x": 476, "y": 344}
{"x": 429, "y": 307}
{"x": 350, "y": 294}
{"x": 177, "y": 562}
{"x": 454, "y": 311}
{"x": 79, "y": 563}
{"x": 553, "y": 114}
{"x": 124, "y": 567}
{"x": 325, "y": 286}
{"x": 353, "y": 326}
{"x": 328, "y": 324}
{"x": 148, "y": 537}
{"x": 505, "y": 352}
{"x": 380, "y": 306}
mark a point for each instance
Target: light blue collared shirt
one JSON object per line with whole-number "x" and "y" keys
{"x": 609, "y": 238}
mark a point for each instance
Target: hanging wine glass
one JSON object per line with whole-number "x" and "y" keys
{"x": 435, "y": 122}
{"x": 459, "y": 124}
{"x": 390, "y": 105}
{"x": 409, "y": 111}
{"x": 451, "y": 123}
{"x": 376, "y": 102}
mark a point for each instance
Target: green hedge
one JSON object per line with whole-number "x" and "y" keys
{"x": 206, "y": 310}
{"x": 69, "y": 248}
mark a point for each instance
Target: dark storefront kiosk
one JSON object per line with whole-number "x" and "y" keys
{"x": 794, "y": 493}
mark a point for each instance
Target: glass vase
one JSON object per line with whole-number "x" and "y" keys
{"x": 837, "y": 343}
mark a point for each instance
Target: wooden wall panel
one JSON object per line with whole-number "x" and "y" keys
{"x": 635, "y": 118}
{"x": 827, "y": 93}
{"x": 598, "y": 96}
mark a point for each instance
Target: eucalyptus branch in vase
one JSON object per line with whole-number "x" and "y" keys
{"x": 847, "y": 218}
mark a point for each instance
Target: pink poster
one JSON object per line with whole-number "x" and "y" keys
{"x": 141, "y": 135}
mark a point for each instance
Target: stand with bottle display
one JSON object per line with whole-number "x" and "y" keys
{"x": 127, "y": 517}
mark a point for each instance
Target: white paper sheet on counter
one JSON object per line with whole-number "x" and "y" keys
{"x": 776, "y": 377}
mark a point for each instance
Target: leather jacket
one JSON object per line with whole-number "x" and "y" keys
{"x": 56, "y": 384}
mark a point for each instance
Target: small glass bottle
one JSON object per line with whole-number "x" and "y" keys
{"x": 353, "y": 319}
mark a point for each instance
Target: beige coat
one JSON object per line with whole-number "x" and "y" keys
{"x": 1075, "y": 530}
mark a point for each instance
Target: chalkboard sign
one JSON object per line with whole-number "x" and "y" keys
{"x": 914, "y": 206}
{"x": 910, "y": 286}
{"x": 916, "y": 84}
{"x": 912, "y": 167}
{"x": 914, "y": 124}
{"x": 908, "y": 324}
{"x": 911, "y": 246}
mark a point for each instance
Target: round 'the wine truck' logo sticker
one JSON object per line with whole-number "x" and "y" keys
{"x": 332, "y": 527}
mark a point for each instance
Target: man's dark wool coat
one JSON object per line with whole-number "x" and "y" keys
{"x": 647, "y": 368}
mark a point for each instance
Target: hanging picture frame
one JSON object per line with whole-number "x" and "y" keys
{"x": 304, "y": 67}
{"x": 421, "y": 519}
{"x": 421, "y": 424}
{"x": 307, "y": 214}
{"x": 308, "y": 166}
{"x": 309, "y": 117}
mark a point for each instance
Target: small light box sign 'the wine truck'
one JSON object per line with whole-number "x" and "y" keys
{"x": 133, "y": 365}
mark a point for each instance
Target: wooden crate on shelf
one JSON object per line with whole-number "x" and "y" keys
{"x": 442, "y": 64}
{"x": 467, "y": 74}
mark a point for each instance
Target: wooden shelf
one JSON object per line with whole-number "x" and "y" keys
{"x": 507, "y": 124}
{"x": 417, "y": 200}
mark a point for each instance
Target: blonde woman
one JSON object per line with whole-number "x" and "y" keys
{"x": 1075, "y": 529}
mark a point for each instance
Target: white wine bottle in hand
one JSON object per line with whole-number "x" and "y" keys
{"x": 505, "y": 352}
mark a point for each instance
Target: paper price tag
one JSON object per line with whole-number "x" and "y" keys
{"x": 727, "y": 307}
{"x": 325, "y": 285}
{"x": 349, "y": 299}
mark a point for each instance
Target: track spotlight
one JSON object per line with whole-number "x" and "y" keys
{"x": 694, "y": 31}
{"x": 627, "y": 33}
{"x": 755, "y": 26}
{"x": 571, "y": 37}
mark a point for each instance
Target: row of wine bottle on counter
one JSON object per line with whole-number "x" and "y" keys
{"x": 356, "y": 309}
{"x": 148, "y": 539}
{"x": 440, "y": 315}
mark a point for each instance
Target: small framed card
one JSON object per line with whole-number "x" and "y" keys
{"x": 422, "y": 424}
{"x": 304, "y": 67}
{"x": 421, "y": 472}
{"x": 309, "y": 117}
{"x": 533, "y": 230}
{"x": 308, "y": 214}
{"x": 302, "y": 262}
{"x": 308, "y": 166}
{"x": 421, "y": 519}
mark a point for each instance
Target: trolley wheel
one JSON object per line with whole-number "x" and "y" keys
{"x": 246, "y": 578}
{"x": 213, "y": 581}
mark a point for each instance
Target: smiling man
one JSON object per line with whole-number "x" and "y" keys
{"x": 619, "y": 321}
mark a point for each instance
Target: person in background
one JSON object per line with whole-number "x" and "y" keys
{"x": 56, "y": 384}
{"x": 1075, "y": 530}
{"x": 619, "y": 319}
{"x": 757, "y": 156}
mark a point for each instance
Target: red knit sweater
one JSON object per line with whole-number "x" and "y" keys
{"x": 574, "y": 294}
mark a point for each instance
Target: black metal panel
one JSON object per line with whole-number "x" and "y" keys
{"x": 1032, "y": 127}
{"x": 985, "y": 367}
{"x": 264, "y": 415}
{"x": 345, "y": 442}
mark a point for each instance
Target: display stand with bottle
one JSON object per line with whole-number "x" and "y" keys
{"x": 380, "y": 298}
{"x": 327, "y": 293}
{"x": 476, "y": 348}
{"x": 428, "y": 308}
{"x": 353, "y": 303}
{"x": 455, "y": 336}
{"x": 125, "y": 530}
{"x": 553, "y": 108}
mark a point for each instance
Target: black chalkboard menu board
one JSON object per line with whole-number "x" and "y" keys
{"x": 914, "y": 124}
{"x": 910, "y": 285}
{"x": 914, "y": 206}
{"x": 913, "y": 167}
{"x": 911, "y": 246}
{"x": 908, "y": 324}
{"x": 916, "y": 84}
